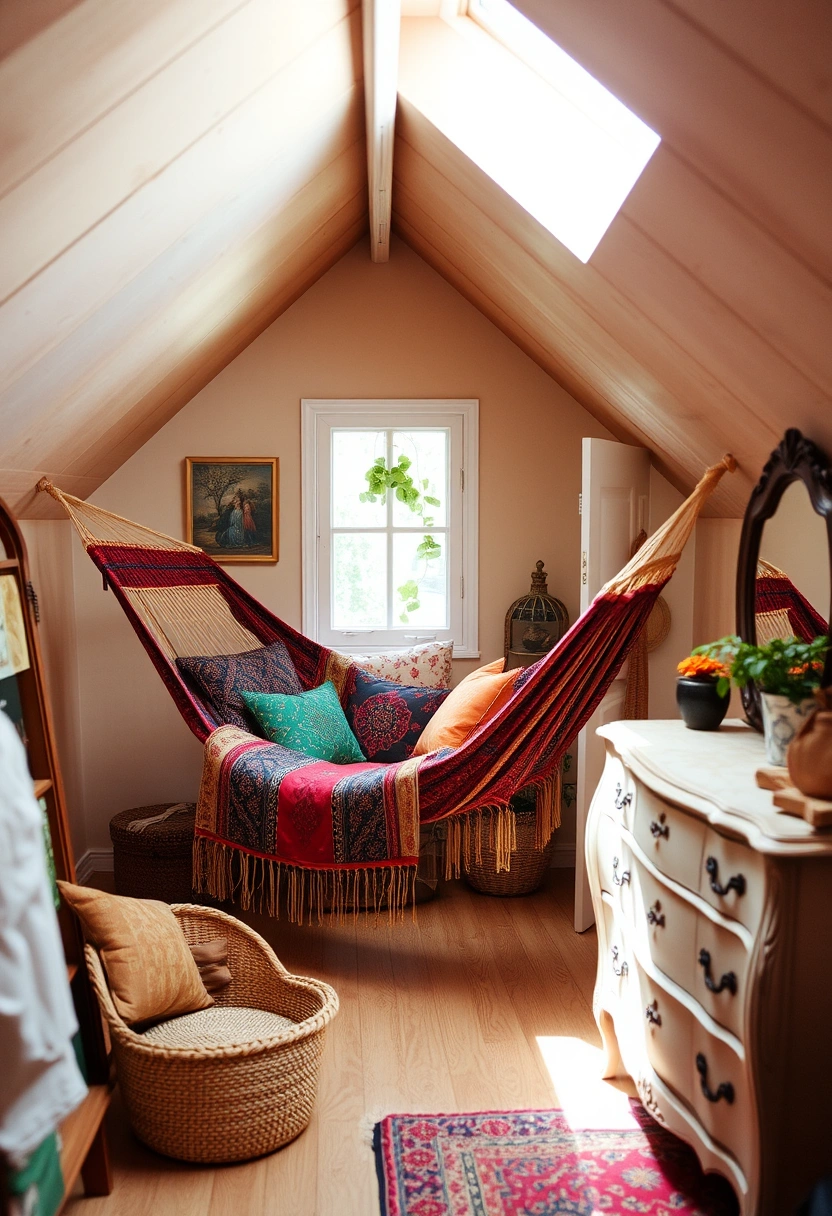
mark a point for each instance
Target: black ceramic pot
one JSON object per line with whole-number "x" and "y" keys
{"x": 701, "y": 706}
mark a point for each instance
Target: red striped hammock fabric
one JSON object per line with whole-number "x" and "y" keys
{"x": 268, "y": 817}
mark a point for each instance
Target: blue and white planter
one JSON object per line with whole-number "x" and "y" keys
{"x": 782, "y": 719}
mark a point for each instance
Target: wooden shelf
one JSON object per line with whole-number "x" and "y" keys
{"x": 42, "y": 786}
{"x": 79, "y": 1130}
{"x": 9, "y": 563}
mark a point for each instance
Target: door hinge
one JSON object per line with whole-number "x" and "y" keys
{"x": 462, "y": 480}
{"x": 462, "y": 586}
{"x": 580, "y": 504}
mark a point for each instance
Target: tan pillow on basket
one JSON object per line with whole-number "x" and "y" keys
{"x": 150, "y": 970}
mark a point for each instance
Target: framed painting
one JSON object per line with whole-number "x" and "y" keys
{"x": 231, "y": 507}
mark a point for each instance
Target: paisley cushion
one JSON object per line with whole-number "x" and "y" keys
{"x": 312, "y": 723}
{"x": 387, "y": 718}
{"x": 220, "y": 679}
{"x": 426, "y": 666}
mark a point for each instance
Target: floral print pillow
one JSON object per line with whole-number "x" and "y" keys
{"x": 425, "y": 666}
{"x": 387, "y": 718}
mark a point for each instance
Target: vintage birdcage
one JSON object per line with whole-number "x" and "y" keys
{"x": 534, "y": 623}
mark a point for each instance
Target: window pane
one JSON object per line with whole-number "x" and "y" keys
{"x": 420, "y": 580}
{"x": 427, "y": 452}
{"x": 359, "y": 580}
{"x": 353, "y": 453}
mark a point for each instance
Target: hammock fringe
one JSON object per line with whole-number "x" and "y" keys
{"x": 260, "y": 884}
{"x": 463, "y": 837}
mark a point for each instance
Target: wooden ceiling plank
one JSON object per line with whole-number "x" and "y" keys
{"x": 651, "y": 347}
{"x": 728, "y": 501}
{"x": 123, "y": 362}
{"x": 769, "y": 157}
{"x": 677, "y": 428}
{"x": 248, "y": 152}
{"x": 84, "y": 65}
{"x": 22, "y": 20}
{"x": 150, "y": 413}
{"x": 380, "y": 24}
{"x": 131, "y": 143}
{"x": 752, "y": 274}
{"x": 789, "y": 44}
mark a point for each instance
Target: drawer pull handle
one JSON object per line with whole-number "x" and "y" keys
{"x": 661, "y": 828}
{"x": 728, "y": 980}
{"x": 652, "y": 1014}
{"x": 625, "y": 874}
{"x": 623, "y": 969}
{"x": 622, "y": 799}
{"x": 655, "y": 916}
{"x": 735, "y": 883}
{"x": 724, "y": 1090}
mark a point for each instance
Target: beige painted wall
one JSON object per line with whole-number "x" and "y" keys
{"x": 363, "y": 330}
{"x": 794, "y": 539}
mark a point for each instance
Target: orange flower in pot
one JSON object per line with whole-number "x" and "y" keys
{"x": 702, "y": 691}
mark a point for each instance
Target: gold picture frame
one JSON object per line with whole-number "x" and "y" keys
{"x": 231, "y": 507}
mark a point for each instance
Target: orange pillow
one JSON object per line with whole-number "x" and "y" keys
{"x": 476, "y": 699}
{"x": 150, "y": 970}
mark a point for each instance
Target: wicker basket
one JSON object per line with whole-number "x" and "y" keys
{"x": 155, "y": 863}
{"x": 236, "y": 1101}
{"x": 528, "y": 864}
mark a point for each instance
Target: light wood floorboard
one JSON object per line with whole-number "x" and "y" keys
{"x": 438, "y": 1015}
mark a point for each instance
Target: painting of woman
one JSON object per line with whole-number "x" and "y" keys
{"x": 231, "y": 507}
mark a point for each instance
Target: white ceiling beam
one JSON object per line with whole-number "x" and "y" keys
{"x": 381, "y": 19}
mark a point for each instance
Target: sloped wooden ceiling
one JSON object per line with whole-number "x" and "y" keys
{"x": 173, "y": 174}
{"x": 702, "y": 322}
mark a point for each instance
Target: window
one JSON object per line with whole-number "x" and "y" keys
{"x": 545, "y": 130}
{"x": 390, "y": 523}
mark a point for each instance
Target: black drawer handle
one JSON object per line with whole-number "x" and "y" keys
{"x": 625, "y": 874}
{"x": 652, "y": 1014}
{"x": 724, "y": 1090}
{"x": 735, "y": 883}
{"x": 623, "y": 969}
{"x": 655, "y": 916}
{"x": 661, "y": 828}
{"x": 728, "y": 980}
{"x": 622, "y": 799}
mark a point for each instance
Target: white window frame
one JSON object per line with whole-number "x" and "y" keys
{"x": 319, "y": 417}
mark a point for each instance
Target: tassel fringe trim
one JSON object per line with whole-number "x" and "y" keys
{"x": 258, "y": 883}
{"x": 464, "y": 833}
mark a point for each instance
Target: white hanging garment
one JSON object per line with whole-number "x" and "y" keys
{"x": 40, "y": 1082}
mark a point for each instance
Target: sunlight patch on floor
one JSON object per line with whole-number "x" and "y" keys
{"x": 585, "y": 1099}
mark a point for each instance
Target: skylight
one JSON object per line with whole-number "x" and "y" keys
{"x": 538, "y": 124}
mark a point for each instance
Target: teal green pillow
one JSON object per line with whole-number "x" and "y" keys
{"x": 312, "y": 722}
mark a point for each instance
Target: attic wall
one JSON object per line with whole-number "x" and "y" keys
{"x": 396, "y": 330}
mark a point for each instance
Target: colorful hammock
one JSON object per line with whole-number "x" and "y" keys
{"x": 781, "y": 611}
{"x": 346, "y": 835}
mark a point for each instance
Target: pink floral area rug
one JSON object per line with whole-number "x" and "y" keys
{"x": 532, "y": 1163}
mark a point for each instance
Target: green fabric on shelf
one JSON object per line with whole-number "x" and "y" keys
{"x": 312, "y": 722}
{"x": 39, "y": 1184}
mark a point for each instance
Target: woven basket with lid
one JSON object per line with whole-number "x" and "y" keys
{"x": 155, "y": 863}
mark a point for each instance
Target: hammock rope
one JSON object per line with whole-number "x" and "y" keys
{"x": 181, "y": 604}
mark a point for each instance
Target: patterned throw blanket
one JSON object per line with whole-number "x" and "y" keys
{"x": 338, "y": 835}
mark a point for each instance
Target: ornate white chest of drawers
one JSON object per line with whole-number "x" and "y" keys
{"x": 714, "y": 985}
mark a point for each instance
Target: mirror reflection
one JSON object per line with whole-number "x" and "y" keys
{"x": 793, "y": 587}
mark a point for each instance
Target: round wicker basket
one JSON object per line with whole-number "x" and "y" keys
{"x": 156, "y": 862}
{"x": 528, "y": 864}
{"x": 238, "y": 1100}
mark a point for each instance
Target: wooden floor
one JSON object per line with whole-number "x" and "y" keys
{"x": 440, "y": 1015}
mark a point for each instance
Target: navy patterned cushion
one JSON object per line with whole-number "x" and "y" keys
{"x": 220, "y": 678}
{"x": 387, "y": 718}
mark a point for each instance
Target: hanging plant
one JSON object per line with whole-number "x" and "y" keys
{"x": 397, "y": 480}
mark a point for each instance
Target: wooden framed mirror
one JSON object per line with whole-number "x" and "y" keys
{"x": 786, "y": 539}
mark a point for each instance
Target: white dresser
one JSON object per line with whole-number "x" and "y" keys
{"x": 714, "y": 987}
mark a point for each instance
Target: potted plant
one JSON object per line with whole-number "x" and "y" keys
{"x": 702, "y": 691}
{"x": 787, "y": 673}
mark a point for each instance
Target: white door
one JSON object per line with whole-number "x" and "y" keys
{"x": 615, "y": 507}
